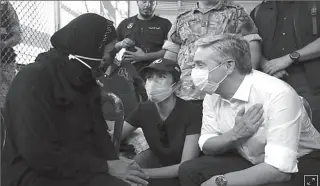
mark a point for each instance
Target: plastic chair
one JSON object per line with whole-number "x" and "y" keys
{"x": 108, "y": 97}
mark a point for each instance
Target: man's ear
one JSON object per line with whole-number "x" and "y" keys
{"x": 230, "y": 66}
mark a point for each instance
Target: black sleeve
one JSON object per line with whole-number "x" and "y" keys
{"x": 252, "y": 14}
{"x": 195, "y": 119}
{"x": 100, "y": 137}
{"x": 120, "y": 35}
{"x": 168, "y": 27}
{"x": 34, "y": 127}
{"x": 134, "y": 117}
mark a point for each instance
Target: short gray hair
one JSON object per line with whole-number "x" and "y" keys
{"x": 229, "y": 46}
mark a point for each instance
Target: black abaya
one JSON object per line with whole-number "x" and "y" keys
{"x": 56, "y": 133}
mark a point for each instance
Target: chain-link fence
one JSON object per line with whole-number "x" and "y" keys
{"x": 26, "y": 28}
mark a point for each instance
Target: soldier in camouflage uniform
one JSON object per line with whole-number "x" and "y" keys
{"x": 217, "y": 18}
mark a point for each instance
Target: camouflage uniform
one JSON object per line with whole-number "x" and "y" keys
{"x": 225, "y": 17}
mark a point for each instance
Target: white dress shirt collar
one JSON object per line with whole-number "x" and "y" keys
{"x": 244, "y": 89}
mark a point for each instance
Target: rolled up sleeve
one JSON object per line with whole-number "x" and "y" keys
{"x": 283, "y": 132}
{"x": 252, "y": 37}
{"x": 209, "y": 127}
{"x": 246, "y": 26}
{"x": 171, "y": 46}
{"x": 174, "y": 41}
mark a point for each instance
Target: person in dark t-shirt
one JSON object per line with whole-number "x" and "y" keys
{"x": 170, "y": 125}
{"x": 143, "y": 35}
{"x": 122, "y": 79}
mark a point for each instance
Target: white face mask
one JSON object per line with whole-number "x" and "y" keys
{"x": 158, "y": 92}
{"x": 200, "y": 78}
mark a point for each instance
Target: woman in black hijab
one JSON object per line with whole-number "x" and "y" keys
{"x": 56, "y": 133}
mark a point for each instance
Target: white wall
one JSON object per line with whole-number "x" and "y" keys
{"x": 133, "y": 8}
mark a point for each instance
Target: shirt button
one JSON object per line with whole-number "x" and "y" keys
{"x": 285, "y": 18}
{"x": 283, "y": 33}
{"x": 282, "y": 49}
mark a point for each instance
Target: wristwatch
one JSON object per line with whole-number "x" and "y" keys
{"x": 294, "y": 56}
{"x": 221, "y": 180}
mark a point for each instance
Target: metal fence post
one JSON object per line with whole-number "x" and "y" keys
{"x": 179, "y": 4}
{"x": 129, "y": 9}
{"x": 57, "y": 15}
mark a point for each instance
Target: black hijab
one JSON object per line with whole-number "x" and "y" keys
{"x": 86, "y": 36}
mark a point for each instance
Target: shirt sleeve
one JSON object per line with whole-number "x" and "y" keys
{"x": 252, "y": 37}
{"x": 34, "y": 126}
{"x": 120, "y": 36}
{"x": 209, "y": 127}
{"x": 196, "y": 120}
{"x": 174, "y": 41}
{"x": 283, "y": 131}
{"x": 168, "y": 28}
{"x": 134, "y": 118}
{"x": 246, "y": 26}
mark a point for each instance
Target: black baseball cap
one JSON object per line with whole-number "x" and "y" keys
{"x": 164, "y": 65}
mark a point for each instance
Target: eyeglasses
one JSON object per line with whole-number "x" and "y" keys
{"x": 163, "y": 134}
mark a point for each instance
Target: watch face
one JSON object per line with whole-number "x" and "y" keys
{"x": 294, "y": 55}
{"x": 221, "y": 181}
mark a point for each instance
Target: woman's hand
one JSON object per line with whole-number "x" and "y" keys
{"x": 128, "y": 171}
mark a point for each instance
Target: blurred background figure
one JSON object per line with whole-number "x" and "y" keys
{"x": 10, "y": 37}
{"x": 290, "y": 32}
{"x": 143, "y": 35}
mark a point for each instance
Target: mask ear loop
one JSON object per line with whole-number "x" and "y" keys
{"x": 220, "y": 65}
{"x": 74, "y": 57}
{"x": 174, "y": 88}
{"x": 85, "y": 64}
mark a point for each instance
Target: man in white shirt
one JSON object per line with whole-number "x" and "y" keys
{"x": 258, "y": 116}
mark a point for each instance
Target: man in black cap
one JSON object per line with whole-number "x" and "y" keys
{"x": 172, "y": 139}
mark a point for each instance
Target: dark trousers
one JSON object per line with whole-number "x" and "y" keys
{"x": 298, "y": 80}
{"x": 196, "y": 172}
{"x": 147, "y": 159}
